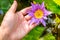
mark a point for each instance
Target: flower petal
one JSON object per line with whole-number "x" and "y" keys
{"x": 43, "y": 22}
{"x": 31, "y": 14}
{"x": 34, "y": 20}
{"x": 35, "y": 7}
{"x": 45, "y": 17}
{"x": 42, "y": 5}
{"x": 46, "y": 13}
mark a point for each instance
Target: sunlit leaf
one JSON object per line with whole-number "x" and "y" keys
{"x": 57, "y": 2}
{"x": 57, "y": 19}
{"x": 49, "y": 36}
{"x": 5, "y": 5}
{"x": 34, "y": 34}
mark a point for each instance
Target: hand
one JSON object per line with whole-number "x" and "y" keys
{"x": 16, "y": 25}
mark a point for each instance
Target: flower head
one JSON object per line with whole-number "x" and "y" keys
{"x": 38, "y": 13}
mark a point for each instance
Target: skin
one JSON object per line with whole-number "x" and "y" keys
{"x": 15, "y": 25}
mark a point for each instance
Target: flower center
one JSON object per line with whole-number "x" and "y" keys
{"x": 38, "y": 14}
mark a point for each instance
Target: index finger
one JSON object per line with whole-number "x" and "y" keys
{"x": 24, "y": 11}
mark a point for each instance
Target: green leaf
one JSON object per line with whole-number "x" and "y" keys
{"x": 49, "y": 36}
{"x": 4, "y": 5}
{"x": 50, "y": 5}
{"x": 57, "y": 2}
{"x": 38, "y": 1}
{"x": 34, "y": 33}
{"x": 57, "y": 19}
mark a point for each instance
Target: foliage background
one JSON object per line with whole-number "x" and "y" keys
{"x": 40, "y": 32}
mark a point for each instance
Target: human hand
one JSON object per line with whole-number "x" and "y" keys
{"x": 16, "y": 25}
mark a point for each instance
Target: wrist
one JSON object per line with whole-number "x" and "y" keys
{"x": 3, "y": 33}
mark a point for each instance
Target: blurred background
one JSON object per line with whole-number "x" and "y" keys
{"x": 52, "y": 30}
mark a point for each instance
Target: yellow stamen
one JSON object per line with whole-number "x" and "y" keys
{"x": 38, "y": 14}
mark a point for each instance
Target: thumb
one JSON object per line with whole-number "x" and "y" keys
{"x": 13, "y": 7}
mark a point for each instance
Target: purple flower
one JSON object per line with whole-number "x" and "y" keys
{"x": 38, "y": 13}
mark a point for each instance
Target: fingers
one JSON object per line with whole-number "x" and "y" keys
{"x": 27, "y": 17}
{"x": 13, "y": 7}
{"x": 24, "y": 11}
{"x": 33, "y": 25}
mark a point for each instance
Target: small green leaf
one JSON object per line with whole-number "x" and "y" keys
{"x": 57, "y": 2}
{"x": 49, "y": 36}
{"x": 57, "y": 19}
{"x": 34, "y": 33}
{"x": 4, "y": 5}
